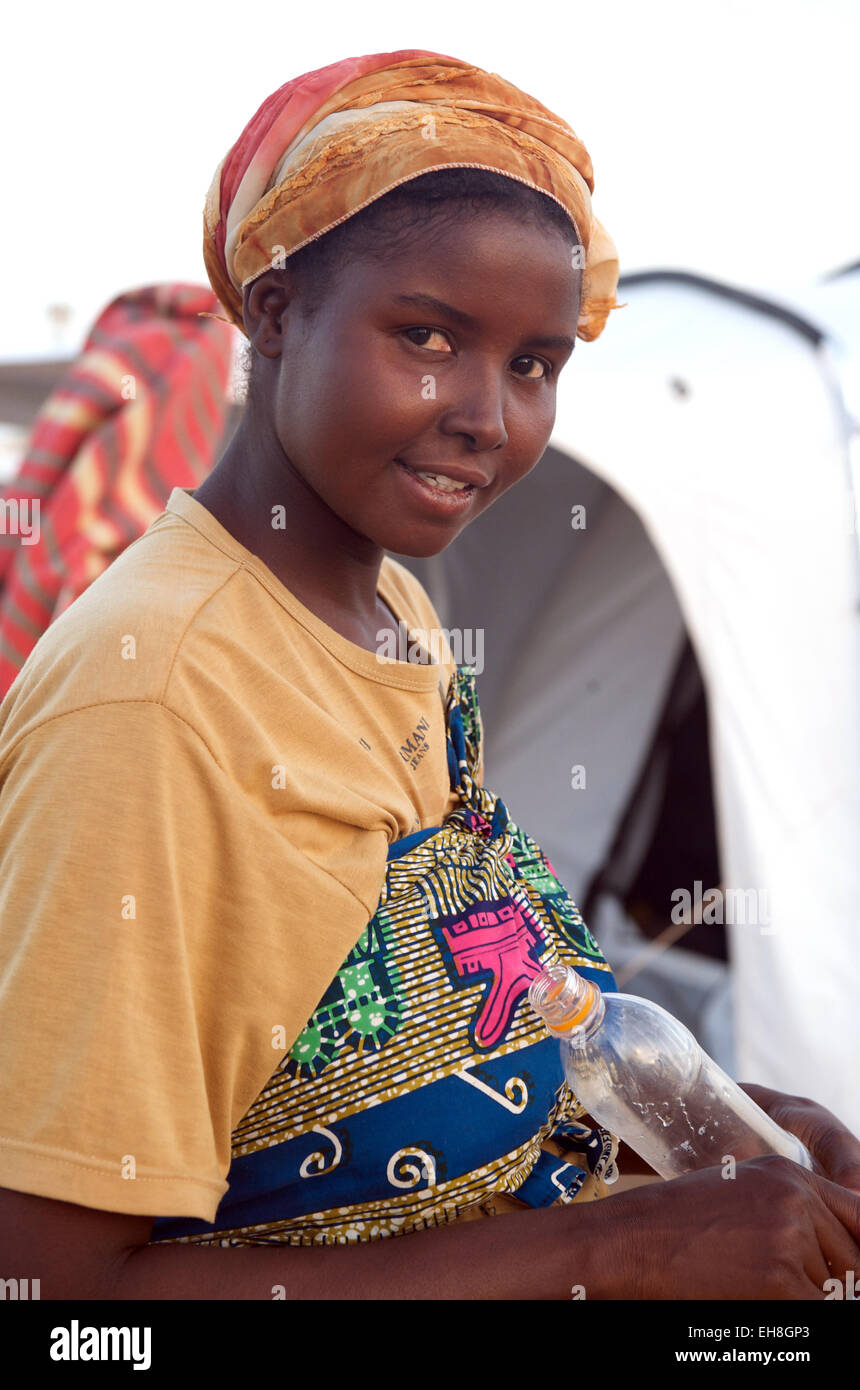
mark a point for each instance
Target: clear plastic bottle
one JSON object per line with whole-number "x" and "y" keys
{"x": 641, "y": 1074}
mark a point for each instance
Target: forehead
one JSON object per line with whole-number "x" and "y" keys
{"x": 495, "y": 263}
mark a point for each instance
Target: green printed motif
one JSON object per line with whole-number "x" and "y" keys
{"x": 467, "y": 699}
{"x": 361, "y": 1009}
{"x": 535, "y": 868}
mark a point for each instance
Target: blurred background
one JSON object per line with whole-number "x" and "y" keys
{"x": 669, "y": 603}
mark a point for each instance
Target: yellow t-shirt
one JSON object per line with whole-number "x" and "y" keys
{"x": 199, "y": 782}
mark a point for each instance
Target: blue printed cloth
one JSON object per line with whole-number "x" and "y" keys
{"x": 424, "y": 1084}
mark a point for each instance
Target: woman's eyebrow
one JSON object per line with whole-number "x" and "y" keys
{"x": 559, "y": 340}
{"x": 439, "y": 306}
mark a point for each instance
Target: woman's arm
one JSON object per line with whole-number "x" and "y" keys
{"x": 81, "y": 1253}
{"x": 773, "y": 1231}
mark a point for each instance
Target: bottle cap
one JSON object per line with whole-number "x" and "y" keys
{"x": 564, "y": 999}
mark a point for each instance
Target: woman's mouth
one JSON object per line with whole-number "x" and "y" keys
{"x": 445, "y": 493}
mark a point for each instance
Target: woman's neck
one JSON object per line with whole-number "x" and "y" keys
{"x": 271, "y": 511}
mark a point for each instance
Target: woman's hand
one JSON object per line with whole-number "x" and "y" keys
{"x": 772, "y": 1230}
{"x": 835, "y": 1149}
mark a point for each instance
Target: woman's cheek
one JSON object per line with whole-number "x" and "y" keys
{"x": 394, "y": 404}
{"x": 529, "y": 423}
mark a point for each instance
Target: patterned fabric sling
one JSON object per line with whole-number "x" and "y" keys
{"x": 424, "y": 1085}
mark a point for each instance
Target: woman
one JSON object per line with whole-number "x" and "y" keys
{"x": 291, "y": 932}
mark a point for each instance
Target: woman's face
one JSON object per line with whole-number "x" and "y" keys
{"x": 382, "y": 383}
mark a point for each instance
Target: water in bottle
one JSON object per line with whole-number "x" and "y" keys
{"x": 641, "y": 1074}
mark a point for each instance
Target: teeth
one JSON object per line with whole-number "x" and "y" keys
{"x": 444, "y": 484}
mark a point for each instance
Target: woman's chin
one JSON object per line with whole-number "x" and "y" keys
{"x": 417, "y": 546}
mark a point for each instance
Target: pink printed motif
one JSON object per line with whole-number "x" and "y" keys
{"x": 502, "y": 938}
{"x": 477, "y": 821}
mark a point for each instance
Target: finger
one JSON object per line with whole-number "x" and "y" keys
{"x": 831, "y": 1256}
{"x": 767, "y": 1098}
{"x": 760, "y": 1094}
{"x": 839, "y": 1153}
{"x": 815, "y": 1261}
{"x": 832, "y": 1145}
{"x": 844, "y": 1205}
{"x": 817, "y": 1272}
{"x": 841, "y": 1255}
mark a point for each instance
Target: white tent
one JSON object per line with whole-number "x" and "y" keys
{"x": 706, "y": 436}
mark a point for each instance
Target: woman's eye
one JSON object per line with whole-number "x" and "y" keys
{"x": 429, "y": 333}
{"x": 424, "y": 337}
{"x": 535, "y": 362}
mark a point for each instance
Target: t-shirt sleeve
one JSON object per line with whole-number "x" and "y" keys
{"x": 161, "y": 946}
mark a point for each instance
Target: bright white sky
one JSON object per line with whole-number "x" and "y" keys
{"x": 724, "y": 137}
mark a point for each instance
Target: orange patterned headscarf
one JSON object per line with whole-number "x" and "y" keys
{"x": 328, "y": 143}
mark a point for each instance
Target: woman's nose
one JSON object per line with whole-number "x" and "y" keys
{"x": 476, "y": 407}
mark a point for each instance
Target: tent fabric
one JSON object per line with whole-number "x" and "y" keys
{"x": 732, "y": 449}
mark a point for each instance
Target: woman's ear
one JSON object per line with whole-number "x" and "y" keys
{"x": 265, "y": 303}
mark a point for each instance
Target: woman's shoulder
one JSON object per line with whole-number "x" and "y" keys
{"x": 119, "y": 639}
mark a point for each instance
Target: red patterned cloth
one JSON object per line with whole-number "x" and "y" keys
{"x": 140, "y": 412}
